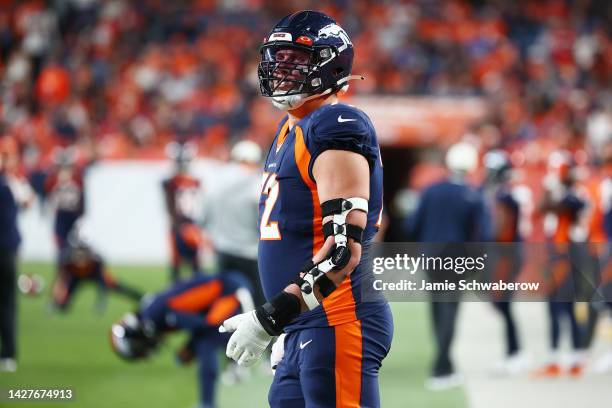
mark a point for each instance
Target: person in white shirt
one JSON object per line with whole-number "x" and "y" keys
{"x": 230, "y": 215}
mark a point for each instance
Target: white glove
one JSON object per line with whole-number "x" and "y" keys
{"x": 249, "y": 340}
{"x": 278, "y": 351}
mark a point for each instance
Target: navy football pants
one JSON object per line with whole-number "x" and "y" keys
{"x": 336, "y": 366}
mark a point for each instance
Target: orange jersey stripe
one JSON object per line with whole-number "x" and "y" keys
{"x": 185, "y": 180}
{"x": 173, "y": 250}
{"x": 596, "y": 224}
{"x": 282, "y": 135}
{"x": 564, "y": 224}
{"x": 222, "y": 309}
{"x": 192, "y": 235}
{"x": 348, "y": 364}
{"x": 109, "y": 279}
{"x": 340, "y": 305}
{"x": 606, "y": 276}
{"x": 196, "y": 299}
{"x": 302, "y": 159}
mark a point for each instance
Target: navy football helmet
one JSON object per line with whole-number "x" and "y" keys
{"x": 133, "y": 338}
{"x": 498, "y": 166}
{"x": 306, "y": 55}
{"x": 182, "y": 154}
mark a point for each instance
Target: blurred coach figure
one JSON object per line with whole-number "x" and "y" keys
{"x": 230, "y": 216}
{"x": 449, "y": 211}
{"x": 14, "y": 192}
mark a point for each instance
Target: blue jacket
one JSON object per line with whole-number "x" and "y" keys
{"x": 9, "y": 234}
{"x": 450, "y": 212}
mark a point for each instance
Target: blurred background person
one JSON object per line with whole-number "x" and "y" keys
{"x": 65, "y": 188}
{"x": 564, "y": 205}
{"x": 15, "y": 193}
{"x": 449, "y": 211}
{"x": 198, "y": 306}
{"x": 230, "y": 215}
{"x": 78, "y": 264}
{"x": 602, "y": 303}
{"x": 506, "y": 205}
{"x": 183, "y": 195}
{"x": 595, "y": 184}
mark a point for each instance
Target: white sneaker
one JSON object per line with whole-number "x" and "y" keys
{"x": 443, "y": 382}
{"x": 8, "y": 365}
{"x": 603, "y": 364}
{"x": 512, "y": 365}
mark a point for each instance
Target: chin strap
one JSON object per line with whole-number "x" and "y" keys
{"x": 293, "y": 102}
{"x": 350, "y": 78}
{"x": 339, "y": 255}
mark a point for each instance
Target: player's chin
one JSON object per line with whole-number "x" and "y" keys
{"x": 283, "y": 87}
{"x": 287, "y": 84}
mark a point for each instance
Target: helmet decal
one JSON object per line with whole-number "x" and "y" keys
{"x": 303, "y": 39}
{"x": 334, "y": 30}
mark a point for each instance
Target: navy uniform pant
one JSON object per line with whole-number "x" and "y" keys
{"x": 335, "y": 366}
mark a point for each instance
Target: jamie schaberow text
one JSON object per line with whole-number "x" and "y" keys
{"x": 461, "y": 285}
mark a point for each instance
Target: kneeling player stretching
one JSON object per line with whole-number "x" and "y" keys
{"x": 78, "y": 263}
{"x": 320, "y": 204}
{"x": 198, "y": 306}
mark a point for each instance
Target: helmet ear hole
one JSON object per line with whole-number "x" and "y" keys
{"x": 337, "y": 72}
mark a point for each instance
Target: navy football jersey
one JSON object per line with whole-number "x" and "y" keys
{"x": 175, "y": 307}
{"x": 67, "y": 187}
{"x": 506, "y": 202}
{"x": 562, "y": 225}
{"x": 182, "y": 193}
{"x": 290, "y": 219}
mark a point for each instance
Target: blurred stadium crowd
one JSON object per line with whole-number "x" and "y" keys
{"x": 115, "y": 79}
{"x": 127, "y": 77}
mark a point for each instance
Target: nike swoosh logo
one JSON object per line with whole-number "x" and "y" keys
{"x": 341, "y": 119}
{"x": 302, "y": 345}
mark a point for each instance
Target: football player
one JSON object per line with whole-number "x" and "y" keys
{"x": 197, "y": 306}
{"x": 508, "y": 210}
{"x": 603, "y": 204}
{"x": 182, "y": 195}
{"x": 564, "y": 207}
{"x": 320, "y": 207}
{"x": 66, "y": 188}
{"x": 80, "y": 263}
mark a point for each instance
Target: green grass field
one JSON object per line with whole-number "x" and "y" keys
{"x": 72, "y": 351}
